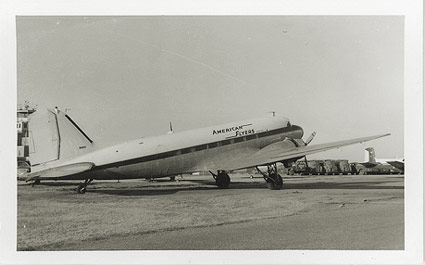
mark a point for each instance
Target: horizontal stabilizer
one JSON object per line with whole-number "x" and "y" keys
{"x": 61, "y": 171}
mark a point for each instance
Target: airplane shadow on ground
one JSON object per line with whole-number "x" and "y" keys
{"x": 312, "y": 185}
{"x": 133, "y": 192}
{"x": 164, "y": 188}
{"x": 53, "y": 184}
{"x": 147, "y": 191}
{"x": 373, "y": 185}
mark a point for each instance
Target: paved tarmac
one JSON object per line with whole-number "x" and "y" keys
{"x": 378, "y": 227}
{"x": 311, "y": 212}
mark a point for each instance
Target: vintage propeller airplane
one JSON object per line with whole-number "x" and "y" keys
{"x": 63, "y": 151}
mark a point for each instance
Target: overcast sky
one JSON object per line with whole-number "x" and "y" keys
{"x": 126, "y": 77}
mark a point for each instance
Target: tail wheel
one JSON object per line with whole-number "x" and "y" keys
{"x": 275, "y": 182}
{"x": 81, "y": 189}
{"x": 36, "y": 182}
{"x": 222, "y": 180}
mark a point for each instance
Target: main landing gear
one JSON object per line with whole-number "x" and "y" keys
{"x": 222, "y": 179}
{"x": 273, "y": 179}
{"x": 82, "y": 187}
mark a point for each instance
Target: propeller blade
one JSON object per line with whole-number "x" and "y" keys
{"x": 310, "y": 138}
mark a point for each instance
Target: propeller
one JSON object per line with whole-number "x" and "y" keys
{"x": 310, "y": 138}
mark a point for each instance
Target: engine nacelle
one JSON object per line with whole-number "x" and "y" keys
{"x": 289, "y": 144}
{"x": 295, "y": 142}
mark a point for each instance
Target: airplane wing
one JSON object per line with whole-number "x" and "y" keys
{"x": 276, "y": 152}
{"x": 397, "y": 164}
{"x": 220, "y": 161}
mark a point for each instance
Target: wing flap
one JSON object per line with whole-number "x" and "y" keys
{"x": 61, "y": 171}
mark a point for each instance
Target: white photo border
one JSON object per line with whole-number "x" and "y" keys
{"x": 413, "y": 129}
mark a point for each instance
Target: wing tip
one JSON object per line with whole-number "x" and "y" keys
{"x": 384, "y": 135}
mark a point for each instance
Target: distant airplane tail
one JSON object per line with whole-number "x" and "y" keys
{"x": 370, "y": 155}
{"x": 55, "y": 136}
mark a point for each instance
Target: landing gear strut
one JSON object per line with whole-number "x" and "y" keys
{"x": 82, "y": 187}
{"x": 36, "y": 182}
{"x": 273, "y": 179}
{"x": 222, "y": 179}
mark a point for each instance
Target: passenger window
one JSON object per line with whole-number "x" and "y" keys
{"x": 226, "y": 142}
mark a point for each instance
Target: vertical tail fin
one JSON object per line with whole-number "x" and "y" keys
{"x": 55, "y": 136}
{"x": 370, "y": 155}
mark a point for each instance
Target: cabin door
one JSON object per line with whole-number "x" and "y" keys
{"x": 163, "y": 164}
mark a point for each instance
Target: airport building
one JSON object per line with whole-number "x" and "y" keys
{"x": 23, "y": 132}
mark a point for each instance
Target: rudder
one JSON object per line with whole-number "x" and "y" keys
{"x": 370, "y": 155}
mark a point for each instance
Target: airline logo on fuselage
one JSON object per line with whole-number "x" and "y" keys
{"x": 238, "y": 130}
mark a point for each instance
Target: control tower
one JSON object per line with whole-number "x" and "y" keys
{"x": 24, "y": 110}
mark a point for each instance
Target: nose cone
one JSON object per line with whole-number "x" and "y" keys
{"x": 298, "y": 131}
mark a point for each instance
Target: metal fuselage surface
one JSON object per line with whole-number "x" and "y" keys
{"x": 184, "y": 152}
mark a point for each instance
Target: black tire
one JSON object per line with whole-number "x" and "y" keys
{"x": 276, "y": 183}
{"x": 222, "y": 180}
{"x": 81, "y": 189}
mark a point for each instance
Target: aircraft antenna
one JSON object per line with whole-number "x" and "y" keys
{"x": 273, "y": 113}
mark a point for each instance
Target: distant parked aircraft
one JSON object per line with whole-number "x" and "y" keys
{"x": 63, "y": 151}
{"x": 372, "y": 161}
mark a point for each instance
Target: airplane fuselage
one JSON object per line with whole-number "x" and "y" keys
{"x": 183, "y": 152}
